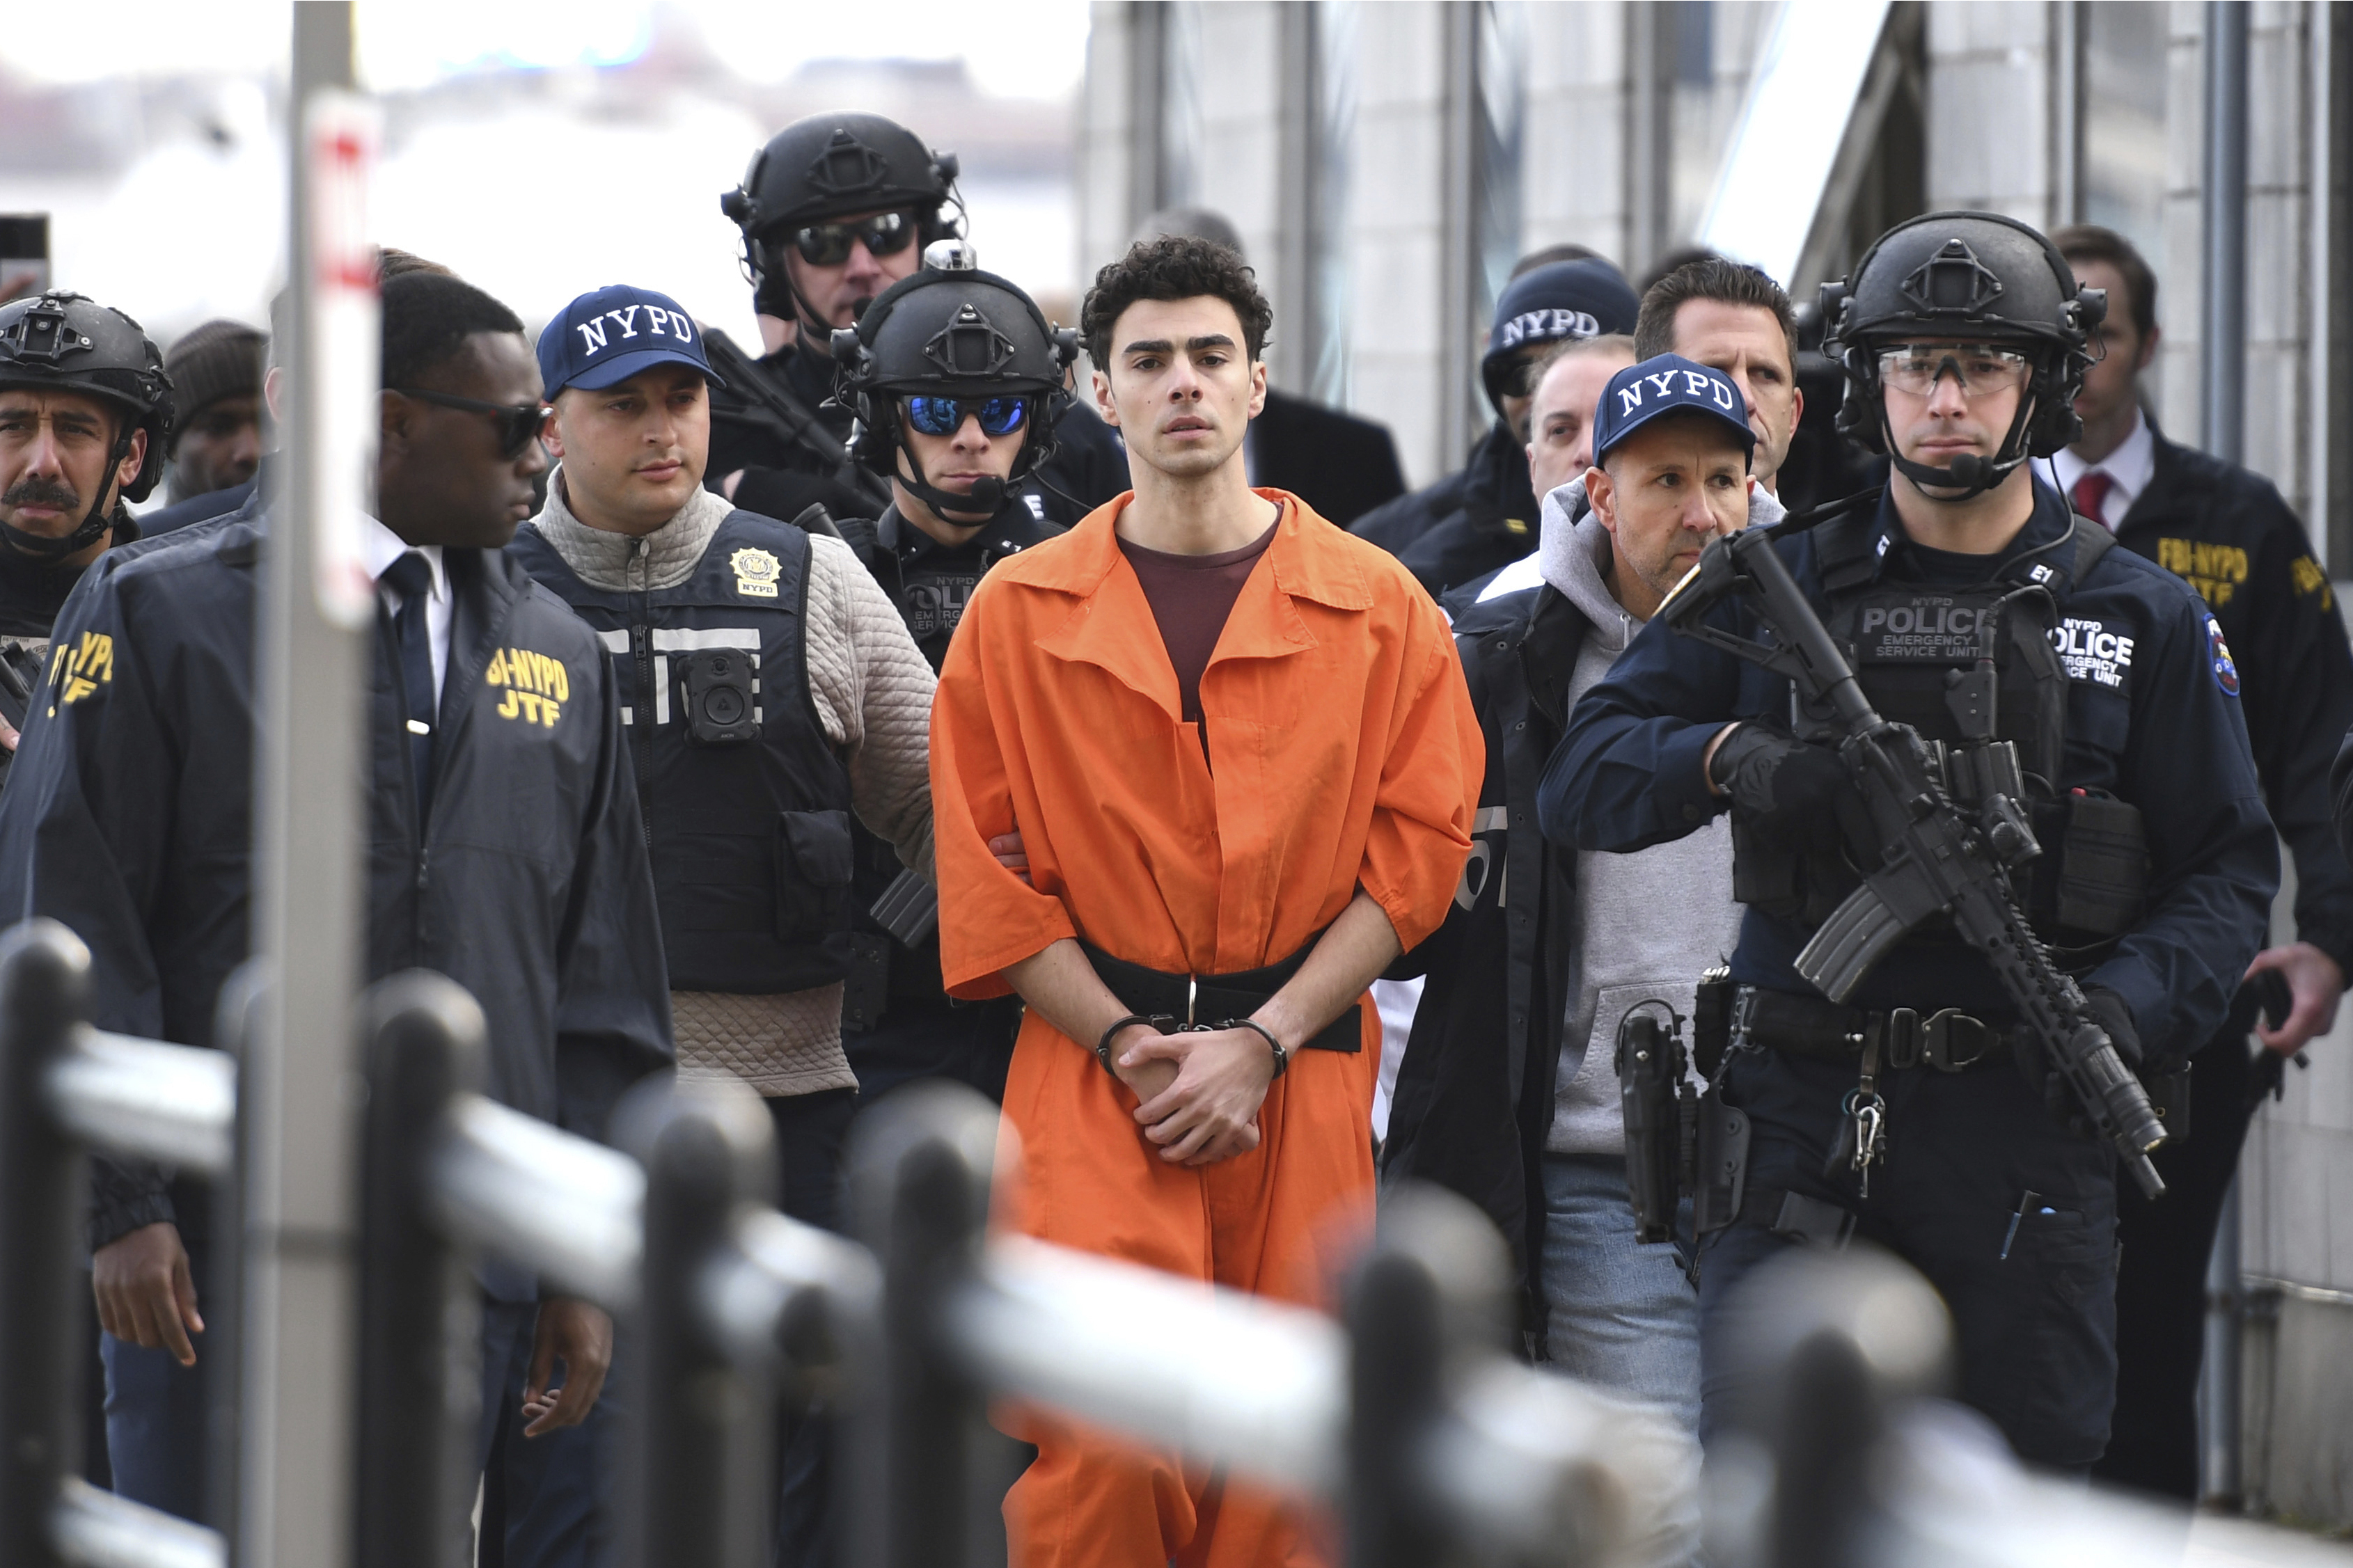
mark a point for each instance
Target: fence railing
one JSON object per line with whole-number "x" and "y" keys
{"x": 1403, "y": 1419}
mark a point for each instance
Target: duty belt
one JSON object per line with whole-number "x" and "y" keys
{"x": 1207, "y": 999}
{"x": 1948, "y": 1040}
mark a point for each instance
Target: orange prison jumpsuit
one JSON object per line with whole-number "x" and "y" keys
{"x": 1346, "y": 754}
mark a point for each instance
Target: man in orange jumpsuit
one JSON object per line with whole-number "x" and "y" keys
{"x": 1238, "y": 753}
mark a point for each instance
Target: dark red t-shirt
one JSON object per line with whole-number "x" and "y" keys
{"x": 1191, "y": 596}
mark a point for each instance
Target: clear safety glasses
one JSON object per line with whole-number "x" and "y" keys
{"x": 1980, "y": 369}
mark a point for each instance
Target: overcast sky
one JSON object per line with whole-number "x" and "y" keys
{"x": 1027, "y": 49}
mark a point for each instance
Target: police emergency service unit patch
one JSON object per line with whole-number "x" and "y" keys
{"x": 757, "y": 572}
{"x": 2090, "y": 651}
{"x": 2226, "y": 672}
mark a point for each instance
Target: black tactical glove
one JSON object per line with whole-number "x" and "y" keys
{"x": 1795, "y": 791}
{"x": 2108, "y": 1011}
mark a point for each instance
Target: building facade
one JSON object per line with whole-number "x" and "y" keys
{"x": 1386, "y": 162}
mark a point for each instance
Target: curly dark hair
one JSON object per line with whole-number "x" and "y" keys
{"x": 1174, "y": 267}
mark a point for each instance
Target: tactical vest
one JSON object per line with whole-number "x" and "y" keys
{"x": 931, "y": 583}
{"x": 1909, "y": 644}
{"x": 744, "y": 801}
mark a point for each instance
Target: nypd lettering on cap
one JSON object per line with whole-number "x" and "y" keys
{"x": 604, "y": 337}
{"x": 1668, "y": 384}
{"x": 1543, "y": 327}
{"x": 1661, "y": 385}
{"x": 594, "y": 333}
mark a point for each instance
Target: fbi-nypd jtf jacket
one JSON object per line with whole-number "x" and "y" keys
{"x": 2152, "y": 718}
{"x": 130, "y": 819}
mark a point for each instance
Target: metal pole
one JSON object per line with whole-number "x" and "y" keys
{"x": 2222, "y": 382}
{"x": 297, "y": 1318}
{"x": 1460, "y": 335}
{"x": 420, "y": 1329}
{"x": 1397, "y": 1394}
{"x": 2223, "y": 416}
{"x": 918, "y": 1196}
{"x": 705, "y": 1425}
{"x": 44, "y": 986}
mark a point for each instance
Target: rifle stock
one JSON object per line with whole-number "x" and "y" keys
{"x": 795, "y": 422}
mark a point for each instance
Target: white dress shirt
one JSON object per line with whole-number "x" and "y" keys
{"x": 2130, "y": 467}
{"x": 379, "y": 548}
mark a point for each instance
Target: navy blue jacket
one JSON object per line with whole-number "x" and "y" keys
{"x": 2159, "y": 726}
{"x": 2228, "y": 531}
{"x": 1474, "y": 1095}
{"x": 130, "y": 819}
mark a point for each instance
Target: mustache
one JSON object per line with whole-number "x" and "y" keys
{"x": 41, "y": 492}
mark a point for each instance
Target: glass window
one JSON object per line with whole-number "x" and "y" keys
{"x": 2124, "y": 121}
{"x": 1332, "y": 130}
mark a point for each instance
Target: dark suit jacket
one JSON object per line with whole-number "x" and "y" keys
{"x": 1338, "y": 464}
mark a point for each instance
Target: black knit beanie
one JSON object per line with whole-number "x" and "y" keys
{"x": 220, "y": 359}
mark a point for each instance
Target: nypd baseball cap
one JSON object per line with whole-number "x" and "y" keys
{"x": 611, "y": 334}
{"x": 1669, "y": 385}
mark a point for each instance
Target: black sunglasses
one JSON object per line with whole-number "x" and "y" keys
{"x": 518, "y": 425}
{"x": 828, "y": 244}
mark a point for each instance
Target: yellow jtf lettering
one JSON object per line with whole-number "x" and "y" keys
{"x": 81, "y": 669}
{"x": 2310, "y": 577}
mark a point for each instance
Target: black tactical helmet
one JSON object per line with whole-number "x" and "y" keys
{"x": 830, "y": 166}
{"x": 64, "y": 342}
{"x": 1974, "y": 277}
{"x": 949, "y": 330}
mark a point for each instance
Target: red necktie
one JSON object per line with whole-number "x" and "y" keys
{"x": 2092, "y": 494}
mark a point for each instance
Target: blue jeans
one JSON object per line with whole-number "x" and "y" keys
{"x": 1619, "y": 1313}
{"x": 155, "y": 1425}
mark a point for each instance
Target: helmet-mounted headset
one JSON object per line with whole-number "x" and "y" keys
{"x": 949, "y": 331}
{"x": 827, "y": 167}
{"x": 64, "y": 342}
{"x": 1967, "y": 277}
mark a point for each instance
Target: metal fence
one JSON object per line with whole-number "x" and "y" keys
{"x": 1403, "y": 1421}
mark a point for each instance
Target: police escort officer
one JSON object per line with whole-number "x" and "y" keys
{"x": 2229, "y": 533}
{"x": 86, "y": 412}
{"x": 1918, "y": 1114}
{"x": 768, "y": 692}
{"x": 504, "y": 853}
{"x": 957, "y": 379}
{"x": 835, "y": 209}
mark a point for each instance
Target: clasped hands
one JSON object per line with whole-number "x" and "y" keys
{"x": 1198, "y": 1091}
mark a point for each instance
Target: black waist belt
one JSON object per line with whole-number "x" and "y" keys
{"x": 1949, "y": 1040}
{"x": 1211, "y": 999}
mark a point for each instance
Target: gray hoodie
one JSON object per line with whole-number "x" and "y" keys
{"x": 1644, "y": 925}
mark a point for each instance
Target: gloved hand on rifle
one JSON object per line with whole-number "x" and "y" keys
{"x": 2109, "y": 1011}
{"x": 1793, "y": 791}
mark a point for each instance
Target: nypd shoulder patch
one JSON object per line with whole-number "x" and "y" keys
{"x": 2226, "y": 671}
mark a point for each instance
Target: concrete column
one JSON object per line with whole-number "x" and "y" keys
{"x": 1572, "y": 185}
{"x": 1395, "y": 227}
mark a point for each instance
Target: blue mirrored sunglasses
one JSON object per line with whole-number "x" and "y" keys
{"x": 945, "y": 415}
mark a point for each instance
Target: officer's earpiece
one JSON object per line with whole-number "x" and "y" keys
{"x": 1066, "y": 346}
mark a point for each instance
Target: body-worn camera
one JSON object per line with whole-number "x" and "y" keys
{"x": 720, "y": 696}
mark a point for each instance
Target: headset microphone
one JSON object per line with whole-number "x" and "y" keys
{"x": 987, "y": 494}
{"x": 1973, "y": 472}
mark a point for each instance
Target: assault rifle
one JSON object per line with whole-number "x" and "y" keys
{"x": 1932, "y": 858}
{"x": 787, "y": 417}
